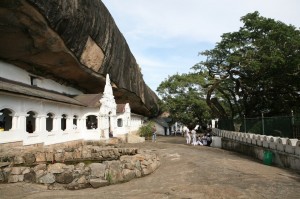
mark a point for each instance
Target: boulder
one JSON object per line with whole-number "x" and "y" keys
{"x": 75, "y": 43}
{"x": 56, "y": 168}
{"x": 128, "y": 174}
{"x": 13, "y": 178}
{"x": 29, "y": 158}
{"x": 30, "y": 177}
{"x": 40, "y": 167}
{"x": 2, "y": 177}
{"x": 64, "y": 178}
{"x": 49, "y": 178}
{"x": 82, "y": 180}
{"x": 96, "y": 183}
{"x": 18, "y": 159}
{"x": 97, "y": 170}
{"x": 114, "y": 171}
{"x": 40, "y": 157}
{"x": 17, "y": 170}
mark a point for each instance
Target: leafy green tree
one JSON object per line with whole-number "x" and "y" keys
{"x": 146, "y": 130}
{"x": 253, "y": 70}
{"x": 184, "y": 98}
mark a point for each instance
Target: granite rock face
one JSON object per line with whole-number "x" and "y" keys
{"x": 75, "y": 43}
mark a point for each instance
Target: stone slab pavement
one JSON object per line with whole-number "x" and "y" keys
{"x": 186, "y": 172}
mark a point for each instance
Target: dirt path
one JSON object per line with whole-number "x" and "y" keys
{"x": 185, "y": 172}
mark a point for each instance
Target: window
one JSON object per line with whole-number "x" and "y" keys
{"x": 49, "y": 122}
{"x": 63, "y": 122}
{"x": 5, "y": 119}
{"x": 30, "y": 122}
{"x": 33, "y": 81}
{"x": 120, "y": 122}
{"x": 75, "y": 122}
{"x": 91, "y": 122}
{"x": 75, "y": 119}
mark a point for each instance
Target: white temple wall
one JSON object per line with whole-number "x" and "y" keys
{"x": 20, "y": 106}
{"x": 123, "y": 122}
{"x": 53, "y": 121}
{"x": 136, "y": 122}
{"x": 160, "y": 130}
{"x": 9, "y": 71}
{"x": 122, "y": 125}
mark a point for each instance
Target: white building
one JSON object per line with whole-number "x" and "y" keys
{"x": 57, "y": 113}
{"x": 162, "y": 127}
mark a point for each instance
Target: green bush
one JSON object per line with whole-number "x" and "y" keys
{"x": 146, "y": 130}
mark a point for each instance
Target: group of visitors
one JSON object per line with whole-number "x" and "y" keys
{"x": 204, "y": 139}
{"x": 192, "y": 138}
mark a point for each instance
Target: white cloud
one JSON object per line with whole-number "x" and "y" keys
{"x": 201, "y": 20}
{"x": 166, "y": 35}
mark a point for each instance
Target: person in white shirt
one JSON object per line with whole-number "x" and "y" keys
{"x": 194, "y": 140}
{"x": 204, "y": 140}
{"x": 199, "y": 142}
{"x": 187, "y": 135}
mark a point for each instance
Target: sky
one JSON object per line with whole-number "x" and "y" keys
{"x": 166, "y": 36}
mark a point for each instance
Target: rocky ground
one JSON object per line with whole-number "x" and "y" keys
{"x": 186, "y": 172}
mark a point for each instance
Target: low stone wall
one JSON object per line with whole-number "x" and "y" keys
{"x": 77, "y": 167}
{"x": 286, "y": 152}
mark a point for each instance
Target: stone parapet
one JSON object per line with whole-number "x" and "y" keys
{"x": 290, "y": 146}
{"x": 281, "y": 144}
{"x": 297, "y": 148}
{"x": 286, "y": 152}
{"x": 273, "y": 142}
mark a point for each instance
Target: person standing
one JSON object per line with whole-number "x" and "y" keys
{"x": 153, "y": 133}
{"x": 187, "y": 135}
{"x": 194, "y": 140}
{"x": 209, "y": 139}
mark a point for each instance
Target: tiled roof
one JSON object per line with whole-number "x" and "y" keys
{"x": 89, "y": 100}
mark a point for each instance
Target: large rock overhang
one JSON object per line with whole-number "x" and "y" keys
{"x": 75, "y": 43}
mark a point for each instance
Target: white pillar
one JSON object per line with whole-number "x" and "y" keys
{"x": 69, "y": 123}
{"x": 83, "y": 124}
{"x": 104, "y": 126}
{"x": 99, "y": 124}
{"x": 213, "y": 123}
{"x": 79, "y": 124}
{"x": 57, "y": 123}
{"x": 41, "y": 122}
{"x": 22, "y": 122}
{"x": 115, "y": 122}
{"x": 14, "y": 122}
{"x": 37, "y": 124}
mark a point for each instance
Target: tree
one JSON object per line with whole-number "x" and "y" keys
{"x": 184, "y": 98}
{"x": 253, "y": 70}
